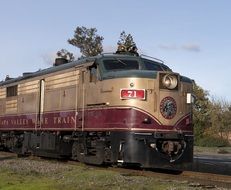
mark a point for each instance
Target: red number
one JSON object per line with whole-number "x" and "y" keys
{"x": 132, "y": 94}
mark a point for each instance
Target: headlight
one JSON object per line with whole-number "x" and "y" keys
{"x": 169, "y": 81}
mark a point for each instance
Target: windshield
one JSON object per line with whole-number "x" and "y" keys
{"x": 154, "y": 66}
{"x": 117, "y": 65}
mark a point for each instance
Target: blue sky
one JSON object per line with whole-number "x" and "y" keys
{"x": 192, "y": 37}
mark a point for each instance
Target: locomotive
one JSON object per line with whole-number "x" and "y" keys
{"x": 115, "y": 108}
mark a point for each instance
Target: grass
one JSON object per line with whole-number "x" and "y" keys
{"x": 15, "y": 181}
{"x": 212, "y": 150}
{"x": 25, "y": 174}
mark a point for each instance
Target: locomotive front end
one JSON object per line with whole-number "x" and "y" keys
{"x": 174, "y": 138}
{"x": 153, "y": 112}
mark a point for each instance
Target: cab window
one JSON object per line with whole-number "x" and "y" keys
{"x": 153, "y": 66}
{"x": 118, "y": 64}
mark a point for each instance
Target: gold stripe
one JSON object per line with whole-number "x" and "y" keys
{"x": 11, "y": 105}
{"x": 2, "y": 92}
{"x": 11, "y": 109}
{"x": 62, "y": 80}
{"x": 66, "y": 84}
{"x": 62, "y": 76}
{"x": 28, "y": 87}
{"x": 11, "y": 101}
{"x": 31, "y": 83}
{"x": 27, "y": 91}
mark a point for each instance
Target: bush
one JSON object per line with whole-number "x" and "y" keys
{"x": 209, "y": 141}
{"x": 222, "y": 151}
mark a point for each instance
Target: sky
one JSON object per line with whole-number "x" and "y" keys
{"x": 192, "y": 37}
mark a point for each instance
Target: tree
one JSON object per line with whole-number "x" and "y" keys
{"x": 87, "y": 40}
{"x": 201, "y": 111}
{"x": 216, "y": 118}
{"x": 227, "y": 122}
{"x": 126, "y": 40}
{"x": 220, "y": 118}
{"x": 63, "y": 53}
{"x": 211, "y": 118}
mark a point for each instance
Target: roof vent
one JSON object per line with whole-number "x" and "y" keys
{"x": 60, "y": 61}
{"x": 26, "y": 74}
{"x": 129, "y": 50}
{"x": 8, "y": 78}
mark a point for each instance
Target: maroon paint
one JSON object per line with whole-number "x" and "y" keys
{"x": 94, "y": 119}
{"x": 18, "y": 121}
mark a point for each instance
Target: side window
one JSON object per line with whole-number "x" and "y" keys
{"x": 93, "y": 73}
{"x": 12, "y": 91}
{"x": 155, "y": 66}
{"x": 152, "y": 66}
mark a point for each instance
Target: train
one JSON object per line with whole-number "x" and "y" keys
{"x": 113, "y": 108}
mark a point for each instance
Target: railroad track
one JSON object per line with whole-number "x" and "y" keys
{"x": 194, "y": 179}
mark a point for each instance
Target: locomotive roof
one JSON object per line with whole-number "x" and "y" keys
{"x": 78, "y": 63}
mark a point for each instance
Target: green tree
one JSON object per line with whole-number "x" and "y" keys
{"x": 211, "y": 118}
{"x": 126, "y": 40}
{"x": 220, "y": 118}
{"x": 216, "y": 118}
{"x": 87, "y": 40}
{"x": 227, "y": 121}
{"x": 63, "y": 53}
{"x": 201, "y": 111}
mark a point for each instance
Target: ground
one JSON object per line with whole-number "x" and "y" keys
{"x": 35, "y": 174}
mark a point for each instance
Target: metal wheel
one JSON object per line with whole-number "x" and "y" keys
{"x": 78, "y": 151}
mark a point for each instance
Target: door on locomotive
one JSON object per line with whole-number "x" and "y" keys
{"x": 87, "y": 146}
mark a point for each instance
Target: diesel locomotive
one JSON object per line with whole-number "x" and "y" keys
{"x": 118, "y": 108}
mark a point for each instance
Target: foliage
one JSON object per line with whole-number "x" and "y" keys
{"x": 211, "y": 118}
{"x": 201, "y": 111}
{"x": 63, "y": 53}
{"x": 210, "y": 141}
{"x": 126, "y": 40}
{"x": 87, "y": 40}
{"x": 212, "y": 150}
{"x": 221, "y": 118}
{"x": 226, "y": 119}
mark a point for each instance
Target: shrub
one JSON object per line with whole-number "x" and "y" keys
{"x": 209, "y": 141}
